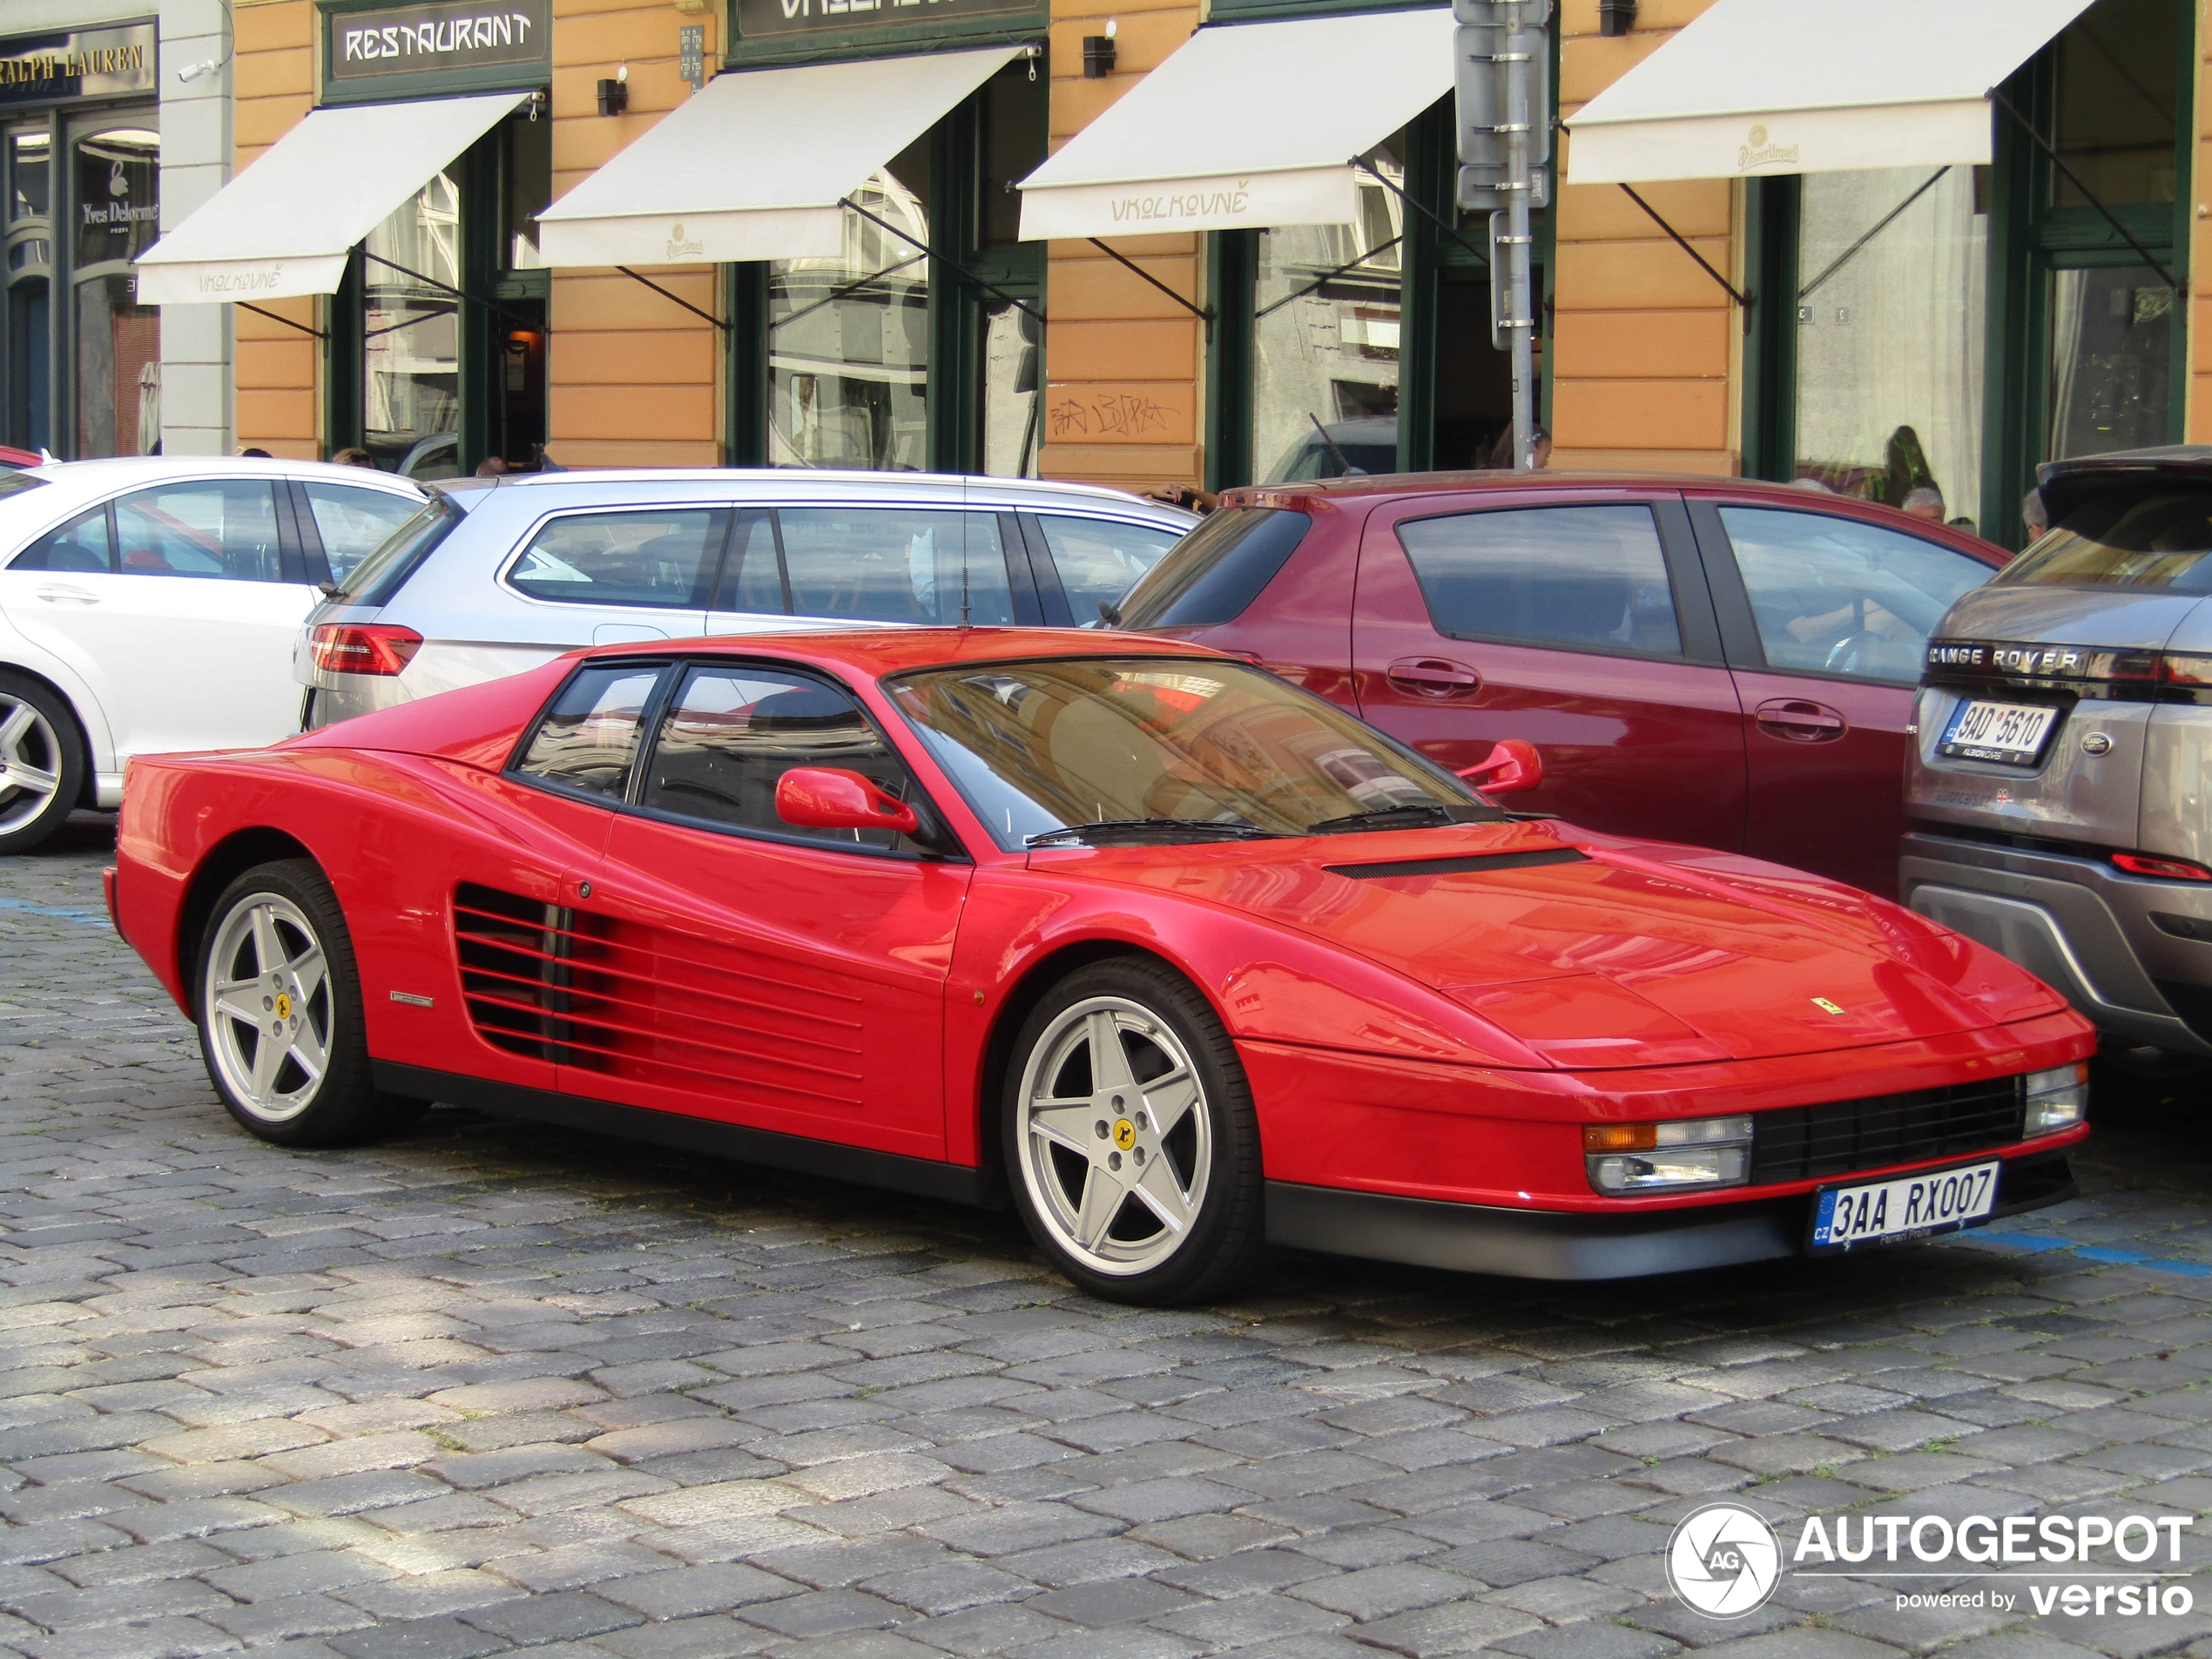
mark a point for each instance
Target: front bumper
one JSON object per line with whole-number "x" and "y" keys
{"x": 1556, "y": 1245}
{"x": 2105, "y": 940}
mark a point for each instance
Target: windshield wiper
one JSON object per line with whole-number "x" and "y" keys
{"x": 1410, "y": 817}
{"x": 1171, "y": 828}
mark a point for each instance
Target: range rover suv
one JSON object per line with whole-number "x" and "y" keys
{"x": 2058, "y": 791}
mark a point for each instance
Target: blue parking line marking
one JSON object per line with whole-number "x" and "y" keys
{"x": 2037, "y": 1243}
{"x": 96, "y": 916}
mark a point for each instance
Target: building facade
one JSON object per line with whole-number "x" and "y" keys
{"x": 1874, "y": 330}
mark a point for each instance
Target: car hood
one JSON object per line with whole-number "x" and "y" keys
{"x": 1595, "y": 952}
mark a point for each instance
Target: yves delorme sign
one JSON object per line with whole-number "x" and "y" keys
{"x": 455, "y": 40}
{"x": 91, "y": 63}
{"x": 831, "y": 20}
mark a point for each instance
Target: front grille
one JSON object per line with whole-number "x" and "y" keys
{"x": 1802, "y": 1142}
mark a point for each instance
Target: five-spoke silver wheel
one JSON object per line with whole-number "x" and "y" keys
{"x": 30, "y": 763}
{"x": 1115, "y": 1140}
{"x": 269, "y": 1007}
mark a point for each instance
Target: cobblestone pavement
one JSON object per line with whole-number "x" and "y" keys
{"x": 491, "y": 1389}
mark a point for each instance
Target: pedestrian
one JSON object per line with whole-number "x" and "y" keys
{"x": 1812, "y": 484}
{"x": 251, "y": 454}
{"x": 1539, "y": 450}
{"x": 491, "y": 466}
{"x": 1905, "y": 469}
{"x": 354, "y": 458}
{"x": 1927, "y": 501}
{"x": 2033, "y": 514}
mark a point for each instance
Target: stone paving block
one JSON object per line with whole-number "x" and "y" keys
{"x": 816, "y": 1614}
{"x": 1451, "y": 1627}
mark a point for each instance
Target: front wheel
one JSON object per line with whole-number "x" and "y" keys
{"x": 280, "y": 1013}
{"x": 1131, "y": 1138}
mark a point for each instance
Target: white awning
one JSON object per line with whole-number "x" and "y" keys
{"x": 1753, "y": 87}
{"x": 284, "y": 225}
{"x": 753, "y": 167}
{"x": 1245, "y": 125}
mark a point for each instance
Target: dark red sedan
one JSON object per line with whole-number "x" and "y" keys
{"x": 1717, "y": 661}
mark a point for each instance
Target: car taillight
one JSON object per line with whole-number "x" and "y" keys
{"x": 2170, "y": 869}
{"x": 363, "y": 647}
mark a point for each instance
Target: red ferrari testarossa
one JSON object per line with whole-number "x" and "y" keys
{"x": 1186, "y": 960}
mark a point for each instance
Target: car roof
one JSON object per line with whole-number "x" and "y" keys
{"x": 117, "y": 471}
{"x": 871, "y": 653}
{"x": 1033, "y": 493}
{"x": 1428, "y": 483}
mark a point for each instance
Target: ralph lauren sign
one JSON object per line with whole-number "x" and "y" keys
{"x": 449, "y": 44}
{"x": 840, "y": 19}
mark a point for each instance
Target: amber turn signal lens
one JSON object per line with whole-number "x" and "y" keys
{"x": 1620, "y": 1138}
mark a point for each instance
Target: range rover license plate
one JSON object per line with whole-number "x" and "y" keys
{"x": 2011, "y": 734}
{"x": 1911, "y": 1206}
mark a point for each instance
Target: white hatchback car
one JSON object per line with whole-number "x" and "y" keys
{"x": 150, "y": 604}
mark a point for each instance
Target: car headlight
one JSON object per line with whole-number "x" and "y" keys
{"x": 2057, "y": 1099}
{"x": 1667, "y": 1157}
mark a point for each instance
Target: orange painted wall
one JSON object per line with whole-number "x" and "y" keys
{"x": 1644, "y": 342}
{"x": 273, "y": 86}
{"x": 1124, "y": 399}
{"x": 633, "y": 378}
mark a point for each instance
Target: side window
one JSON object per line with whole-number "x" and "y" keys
{"x": 1584, "y": 578}
{"x": 731, "y": 733}
{"x": 80, "y": 545}
{"x": 896, "y": 564}
{"x": 220, "y": 527}
{"x": 628, "y": 558}
{"x": 354, "y": 522}
{"x": 1836, "y": 596}
{"x": 1099, "y": 560}
{"x": 752, "y": 577}
{"x": 587, "y": 738}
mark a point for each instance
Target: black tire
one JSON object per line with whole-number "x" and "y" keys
{"x": 50, "y": 741}
{"x": 287, "y": 909}
{"x": 1204, "y": 1167}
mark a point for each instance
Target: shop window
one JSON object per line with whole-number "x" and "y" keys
{"x": 2112, "y": 360}
{"x": 117, "y": 341}
{"x": 1891, "y": 314}
{"x": 411, "y": 329}
{"x": 30, "y": 240}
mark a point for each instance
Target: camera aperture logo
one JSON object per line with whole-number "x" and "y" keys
{"x": 1723, "y": 1560}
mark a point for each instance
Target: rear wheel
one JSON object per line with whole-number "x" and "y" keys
{"x": 280, "y": 1013}
{"x": 1131, "y": 1139}
{"x": 41, "y": 763}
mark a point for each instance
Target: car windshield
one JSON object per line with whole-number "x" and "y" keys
{"x": 1174, "y": 748}
{"x": 2126, "y": 537}
{"x": 377, "y": 579}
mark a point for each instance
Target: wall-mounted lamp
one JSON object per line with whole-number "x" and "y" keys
{"x": 1099, "y": 52}
{"x": 1616, "y": 16}
{"x": 614, "y": 95}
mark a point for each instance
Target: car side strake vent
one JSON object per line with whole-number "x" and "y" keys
{"x": 1841, "y": 1137}
{"x": 1484, "y": 861}
{"x": 513, "y": 968}
{"x": 654, "y": 1004}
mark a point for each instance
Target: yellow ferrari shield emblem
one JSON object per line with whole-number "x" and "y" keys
{"x": 1124, "y": 1134}
{"x": 284, "y": 1005}
{"x": 1826, "y": 1007}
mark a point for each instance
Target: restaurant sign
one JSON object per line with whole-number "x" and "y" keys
{"x": 90, "y": 62}
{"x": 437, "y": 46}
{"x": 834, "y": 22}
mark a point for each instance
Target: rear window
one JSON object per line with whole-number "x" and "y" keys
{"x": 1217, "y": 570}
{"x": 2126, "y": 538}
{"x": 377, "y": 578}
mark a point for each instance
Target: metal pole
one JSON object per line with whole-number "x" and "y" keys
{"x": 1520, "y": 319}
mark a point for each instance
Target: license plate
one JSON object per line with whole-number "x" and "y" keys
{"x": 2009, "y": 733}
{"x": 1911, "y": 1206}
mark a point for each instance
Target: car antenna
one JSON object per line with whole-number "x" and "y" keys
{"x": 964, "y": 576}
{"x": 1331, "y": 441}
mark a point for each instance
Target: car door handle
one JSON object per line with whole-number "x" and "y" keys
{"x": 60, "y": 596}
{"x": 1795, "y": 720}
{"x": 1433, "y": 676}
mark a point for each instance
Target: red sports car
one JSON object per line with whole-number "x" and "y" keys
{"x": 1187, "y": 961}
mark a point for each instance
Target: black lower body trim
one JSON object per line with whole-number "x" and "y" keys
{"x": 926, "y": 1176}
{"x": 1563, "y": 1245}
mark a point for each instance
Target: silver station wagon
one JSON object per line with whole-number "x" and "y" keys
{"x": 494, "y": 576}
